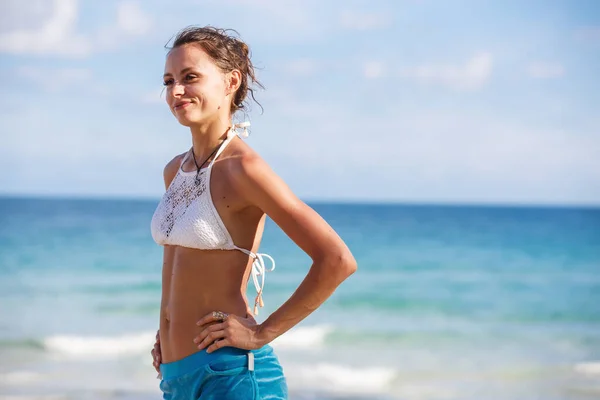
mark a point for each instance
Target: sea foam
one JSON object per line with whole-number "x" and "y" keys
{"x": 101, "y": 346}
{"x": 336, "y": 378}
{"x": 588, "y": 368}
{"x": 303, "y": 337}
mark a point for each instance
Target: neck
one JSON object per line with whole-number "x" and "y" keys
{"x": 206, "y": 137}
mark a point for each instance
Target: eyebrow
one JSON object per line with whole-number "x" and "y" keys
{"x": 183, "y": 71}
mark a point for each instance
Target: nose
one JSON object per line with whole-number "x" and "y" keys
{"x": 177, "y": 90}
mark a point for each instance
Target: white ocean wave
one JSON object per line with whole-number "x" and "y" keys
{"x": 588, "y": 368}
{"x": 303, "y": 337}
{"x": 102, "y": 346}
{"x": 19, "y": 377}
{"x": 336, "y": 378}
{"x": 142, "y": 342}
{"x": 24, "y": 397}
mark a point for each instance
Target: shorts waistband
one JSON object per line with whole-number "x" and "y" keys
{"x": 197, "y": 360}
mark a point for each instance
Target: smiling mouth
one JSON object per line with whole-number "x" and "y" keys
{"x": 181, "y": 105}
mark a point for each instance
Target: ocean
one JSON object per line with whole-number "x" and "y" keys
{"x": 449, "y": 302}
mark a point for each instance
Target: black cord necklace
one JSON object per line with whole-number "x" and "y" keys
{"x": 201, "y": 165}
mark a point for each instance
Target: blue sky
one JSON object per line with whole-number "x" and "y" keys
{"x": 410, "y": 101}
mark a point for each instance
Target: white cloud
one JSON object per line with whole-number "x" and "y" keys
{"x": 57, "y": 34}
{"x": 364, "y": 21}
{"x": 132, "y": 19}
{"x": 541, "y": 70}
{"x": 14, "y": 15}
{"x": 374, "y": 69}
{"x": 472, "y": 75}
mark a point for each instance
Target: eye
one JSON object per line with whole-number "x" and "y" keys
{"x": 168, "y": 82}
{"x": 190, "y": 77}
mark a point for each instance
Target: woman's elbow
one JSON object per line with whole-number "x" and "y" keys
{"x": 343, "y": 263}
{"x": 349, "y": 263}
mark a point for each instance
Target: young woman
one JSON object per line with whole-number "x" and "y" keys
{"x": 210, "y": 222}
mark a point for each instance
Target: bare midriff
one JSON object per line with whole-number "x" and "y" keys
{"x": 194, "y": 284}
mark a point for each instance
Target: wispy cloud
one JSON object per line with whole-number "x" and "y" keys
{"x": 55, "y": 36}
{"x": 132, "y": 19}
{"x": 472, "y": 75}
{"x": 544, "y": 70}
{"x": 58, "y": 36}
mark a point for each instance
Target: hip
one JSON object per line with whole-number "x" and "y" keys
{"x": 228, "y": 373}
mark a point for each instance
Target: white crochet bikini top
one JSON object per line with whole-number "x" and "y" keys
{"x": 186, "y": 216}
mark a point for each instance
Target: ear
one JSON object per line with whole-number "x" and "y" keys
{"x": 233, "y": 81}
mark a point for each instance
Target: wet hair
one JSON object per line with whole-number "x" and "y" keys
{"x": 228, "y": 52}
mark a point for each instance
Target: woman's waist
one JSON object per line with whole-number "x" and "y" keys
{"x": 205, "y": 282}
{"x": 183, "y": 308}
{"x": 179, "y": 325}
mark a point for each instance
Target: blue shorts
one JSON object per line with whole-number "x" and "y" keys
{"x": 226, "y": 374}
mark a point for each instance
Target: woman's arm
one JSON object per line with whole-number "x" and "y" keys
{"x": 332, "y": 260}
{"x": 169, "y": 173}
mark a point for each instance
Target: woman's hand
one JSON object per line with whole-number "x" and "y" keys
{"x": 156, "y": 354}
{"x": 224, "y": 330}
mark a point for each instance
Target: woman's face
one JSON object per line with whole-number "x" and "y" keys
{"x": 197, "y": 90}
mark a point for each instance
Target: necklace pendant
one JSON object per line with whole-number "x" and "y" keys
{"x": 198, "y": 179}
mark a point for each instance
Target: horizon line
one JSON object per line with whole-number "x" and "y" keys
{"x": 324, "y": 201}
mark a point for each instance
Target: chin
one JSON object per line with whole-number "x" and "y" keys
{"x": 194, "y": 118}
{"x": 185, "y": 122}
{"x": 188, "y": 120}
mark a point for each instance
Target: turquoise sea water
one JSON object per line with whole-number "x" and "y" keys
{"x": 449, "y": 302}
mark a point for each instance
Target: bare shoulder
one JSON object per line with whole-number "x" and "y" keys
{"x": 247, "y": 169}
{"x": 259, "y": 186}
{"x": 171, "y": 168}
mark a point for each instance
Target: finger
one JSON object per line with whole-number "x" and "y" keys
{"x": 219, "y": 344}
{"x": 210, "y": 317}
{"x": 211, "y": 338}
{"x": 155, "y": 363}
{"x": 209, "y": 330}
{"x": 213, "y": 317}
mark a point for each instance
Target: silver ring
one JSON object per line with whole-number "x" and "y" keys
{"x": 221, "y": 316}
